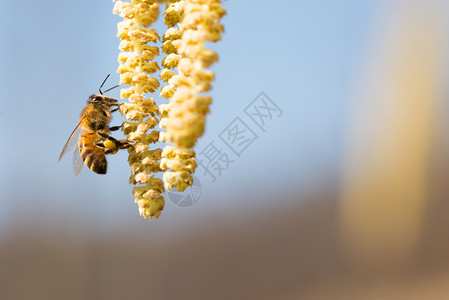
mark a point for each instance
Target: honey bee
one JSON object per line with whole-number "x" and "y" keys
{"x": 92, "y": 134}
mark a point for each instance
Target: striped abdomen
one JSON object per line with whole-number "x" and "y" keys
{"x": 93, "y": 156}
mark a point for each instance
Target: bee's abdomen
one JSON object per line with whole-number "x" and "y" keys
{"x": 92, "y": 155}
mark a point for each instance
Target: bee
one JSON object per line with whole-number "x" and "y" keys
{"x": 92, "y": 134}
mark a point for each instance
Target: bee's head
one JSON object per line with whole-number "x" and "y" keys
{"x": 97, "y": 98}
{"x": 101, "y": 98}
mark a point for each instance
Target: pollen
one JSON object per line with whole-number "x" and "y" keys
{"x": 109, "y": 145}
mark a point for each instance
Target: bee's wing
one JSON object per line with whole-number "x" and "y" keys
{"x": 73, "y": 139}
{"x": 77, "y": 161}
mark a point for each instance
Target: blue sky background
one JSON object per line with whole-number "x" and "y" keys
{"x": 301, "y": 54}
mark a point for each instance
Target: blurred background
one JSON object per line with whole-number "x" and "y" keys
{"x": 341, "y": 194}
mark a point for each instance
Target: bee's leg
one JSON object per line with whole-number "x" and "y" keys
{"x": 118, "y": 144}
{"x": 110, "y": 151}
{"x": 104, "y": 136}
{"x": 108, "y": 137}
{"x": 115, "y": 109}
{"x": 121, "y": 144}
{"x": 114, "y": 128}
{"x": 100, "y": 143}
{"x": 124, "y": 144}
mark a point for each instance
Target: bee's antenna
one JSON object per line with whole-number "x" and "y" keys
{"x": 111, "y": 88}
{"x": 103, "y": 83}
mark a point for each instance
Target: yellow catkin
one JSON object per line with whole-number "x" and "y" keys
{"x": 136, "y": 67}
{"x": 191, "y": 24}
